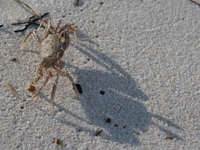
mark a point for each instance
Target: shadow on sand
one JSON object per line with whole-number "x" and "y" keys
{"x": 122, "y": 102}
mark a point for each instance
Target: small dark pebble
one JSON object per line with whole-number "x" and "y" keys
{"x": 22, "y": 107}
{"x": 98, "y": 132}
{"x": 169, "y": 138}
{"x": 101, "y": 3}
{"x": 116, "y": 125}
{"x": 14, "y": 59}
{"x": 79, "y": 88}
{"x": 1, "y": 25}
{"x": 102, "y": 92}
{"x": 108, "y": 120}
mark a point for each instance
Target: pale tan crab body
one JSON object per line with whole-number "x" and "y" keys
{"x": 52, "y": 48}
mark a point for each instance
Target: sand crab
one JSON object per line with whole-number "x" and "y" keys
{"x": 52, "y": 47}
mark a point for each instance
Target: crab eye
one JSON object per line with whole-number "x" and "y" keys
{"x": 63, "y": 34}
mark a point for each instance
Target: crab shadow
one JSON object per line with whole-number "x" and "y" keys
{"x": 113, "y": 102}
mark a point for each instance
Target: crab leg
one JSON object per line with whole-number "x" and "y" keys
{"x": 47, "y": 28}
{"x": 70, "y": 78}
{"x": 35, "y": 36}
{"x": 38, "y": 91}
{"x": 54, "y": 89}
{"x": 56, "y": 28}
{"x": 39, "y": 75}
